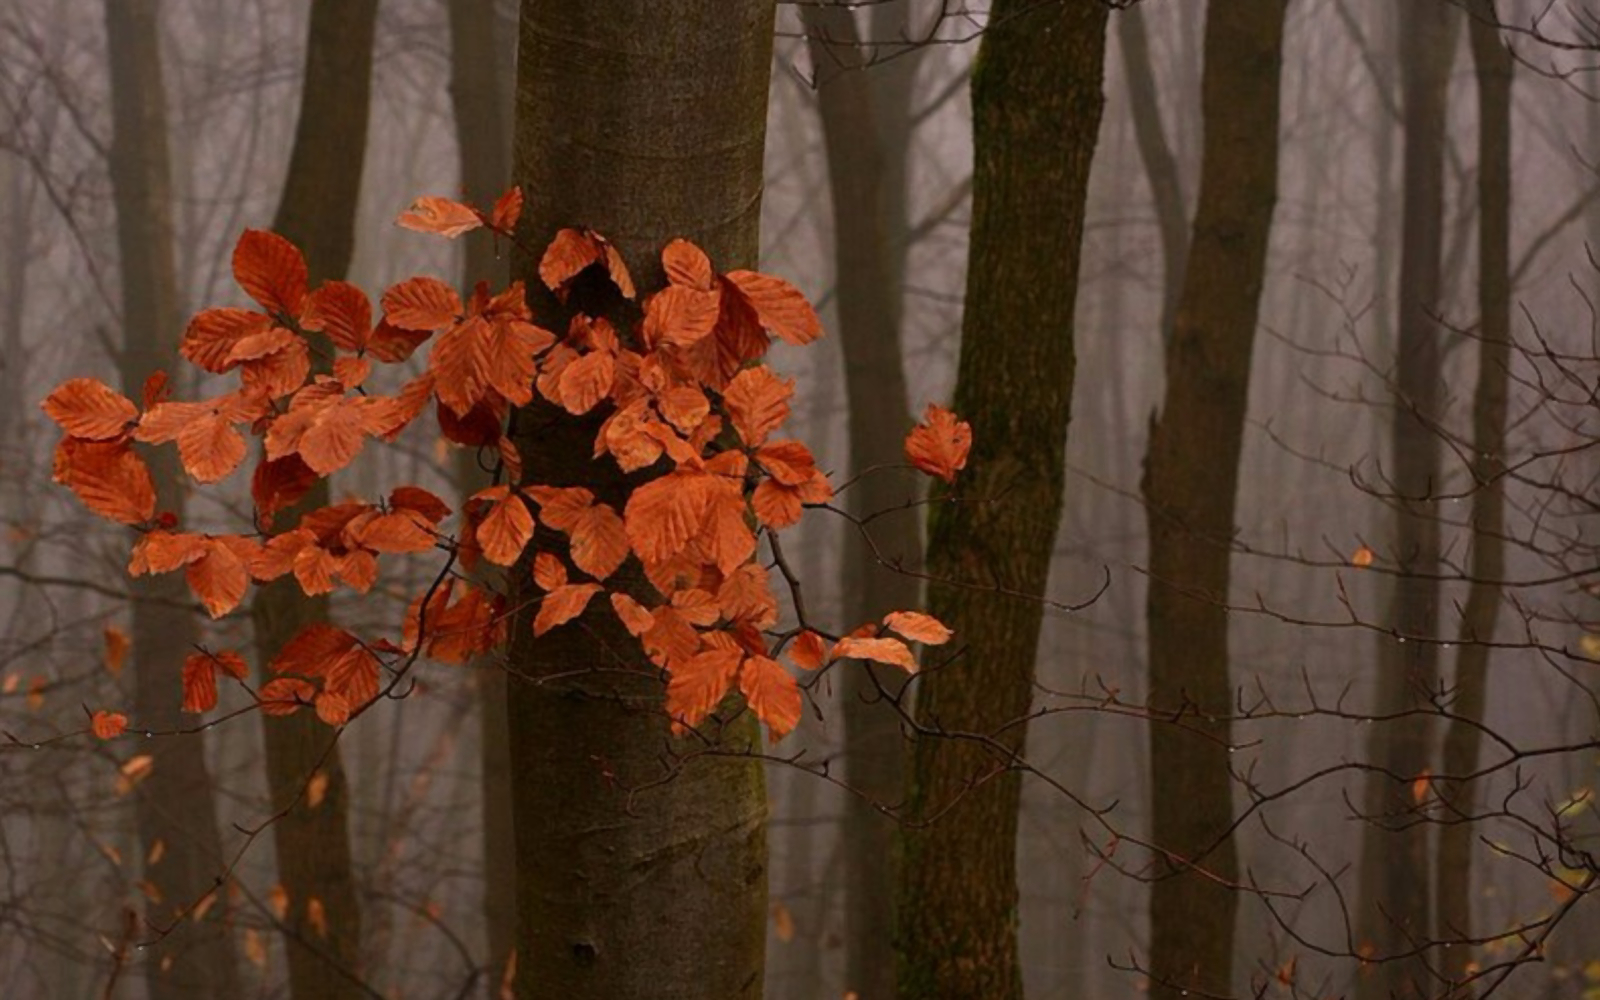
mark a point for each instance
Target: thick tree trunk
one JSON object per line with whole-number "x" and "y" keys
{"x": 480, "y": 97}
{"x": 644, "y": 120}
{"x": 869, "y": 209}
{"x": 1453, "y": 877}
{"x": 317, "y": 213}
{"x": 176, "y": 808}
{"x": 1036, "y": 103}
{"x": 1160, "y": 165}
{"x": 1395, "y": 897}
{"x": 1190, "y": 488}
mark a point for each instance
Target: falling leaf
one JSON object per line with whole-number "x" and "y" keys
{"x": 278, "y": 901}
{"x": 116, "y": 652}
{"x": 255, "y": 949}
{"x": 1420, "y": 786}
{"x": 939, "y": 445}
{"x": 439, "y": 216}
{"x": 316, "y": 916}
{"x": 108, "y": 725}
{"x": 782, "y": 922}
{"x": 507, "y": 210}
{"x": 1361, "y": 557}
{"x": 316, "y": 788}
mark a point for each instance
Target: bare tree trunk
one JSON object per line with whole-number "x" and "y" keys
{"x": 869, "y": 209}
{"x": 175, "y": 806}
{"x": 644, "y": 120}
{"x": 1036, "y": 104}
{"x": 317, "y": 213}
{"x": 480, "y": 96}
{"x": 1453, "y": 878}
{"x": 1160, "y": 165}
{"x": 1395, "y": 897}
{"x": 1191, "y": 488}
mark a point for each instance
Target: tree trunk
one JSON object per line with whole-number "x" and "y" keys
{"x": 1453, "y": 877}
{"x": 1191, "y": 486}
{"x": 1160, "y": 165}
{"x": 869, "y": 209}
{"x": 317, "y": 213}
{"x": 479, "y": 95}
{"x": 1393, "y": 915}
{"x": 644, "y": 120}
{"x": 176, "y": 809}
{"x": 1036, "y": 103}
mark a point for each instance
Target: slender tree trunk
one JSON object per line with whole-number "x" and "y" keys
{"x": 869, "y": 211}
{"x": 644, "y": 120}
{"x": 1453, "y": 878}
{"x": 1036, "y": 103}
{"x": 317, "y": 213}
{"x": 1160, "y": 165}
{"x": 1191, "y": 487}
{"x": 1395, "y": 897}
{"x": 479, "y": 94}
{"x": 175, "y": 806}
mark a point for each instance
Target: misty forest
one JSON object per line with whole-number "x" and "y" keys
{"x": 791, "y": 499}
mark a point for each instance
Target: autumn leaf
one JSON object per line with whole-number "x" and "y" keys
{"x": 1361, "y": 558}
{"x": 687, "y": 265}
{"x": 285, "y": 695}
{"x": 635, "y": 618}
{"x": 108, "y": 478}
{"x": 199, "y": 683}
{"x": 421, "y": 304}
{"x": 758, "y": 403}
{"x": 548, "y": 572}
{"x": 87, "y": 408}
{"x": 698, "y": 684}
{"x": 573, "y": 250}
{"x": 272, "y": 271}
{"x": 939, "y": 445}
{"x": 891, "y": 651}
{"x": 746, "y": 596}
{"x": 781, "y": 307}
{"x": 918, "y": 627}
{"x": 439, "y": 216}
{"x": 108, "y": 725}
{"x": 563, "y": 604}
{"x": 219, "y": 578}
{"x": 342, "y": 312}
{"x": 771, "y": 693}
{"x": 806, "y": 651}
{"x": 116, "y": 649}
{"x": 507, "y": 210}
{"x": 506, "y": 529}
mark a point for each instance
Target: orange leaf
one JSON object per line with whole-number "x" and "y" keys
{"x": 108, "y": 725}
{"x": 271, "y": 270}
{"x": 421, "y": 304}
{"x": 585, "y": 382}
{"x": 199, "y": 683}
{"x": 508, "y": 527}
{"x": 635, "y": 618}
{"x": 779, "y": 305}
{"x": 939, "y": 445}
{"x": 316, "y": 916}
{"x": 210, "y": 448}
{"x": 88, "y": 408}
{"x": 415, "y": 498}
{"x": 789, "y": 462}
{"x": 343, "y": 312}
{"x": 393, "y": 344}
{"x": 117, "y": 645}
{"x": 698, "y": 684}
{"x": 108, "y": 478}
{"x": 686, "y": 264}
{"x": 918, "y": 627}
{"x": 332, "y": 708}
{"x": 1421, "y": 786}
{"x": 548, "y": 572}
{"x": 440, "y": 216}
{"x": 665, "y": 513}
{"x": 680, "y": 315}
{"x": 757, "y": 402}
{"x": 278, "y": 484}
{"x": 211, "y": 336}
{"x": 219, "y": 578}
{"x": 563, "y": 604}
{"x": 285, "y": 695}
{"x": 746, "y": 596}
{"x": 1361, "y": 557}
{"x": 806, "y": 651}
{"x": 567, "y": 255}
{"x": 599, "y": 542}
{"x": 313, "y": 650}
{"x": 507, "y": 210}
{"x": 890, "y": 651}
{"x": 771, "y": 693}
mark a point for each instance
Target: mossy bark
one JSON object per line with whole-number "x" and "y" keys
{"x": 1036, "y": 102}
{"x": 636, "y": 878}
{"x": 1190, "y": 488}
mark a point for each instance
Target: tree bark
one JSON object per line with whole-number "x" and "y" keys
{"x": 644, "y": 120}
{"x": 480, "y": 98}
{"x": 1453, "y": 877}
{"x": 175, "y": 806}
{"x": 869, "y": 211}
{"x": 1190, "y": 488}
{"x": 1395, "y": 895}
{"x": 317, "y": 213}
{"x": 1036, "y": 104}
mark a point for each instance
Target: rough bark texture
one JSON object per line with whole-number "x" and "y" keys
{"x": 1036, "y": 103}
{"x": 479, "y": 96}
{"x": 1393, "y": 914}
{"x": 1453, "y": 878}
{"x": 1160, "y": 165}
{"x": 869, "y": 208}
{"x": 644, "y": 120}
{"x": 1190, "y": 489}
{"x": 317, "y": 213}
{"x": 175, "y": 806}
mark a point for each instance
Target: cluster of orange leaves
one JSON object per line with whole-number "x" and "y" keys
{"x": 683, "y": 395}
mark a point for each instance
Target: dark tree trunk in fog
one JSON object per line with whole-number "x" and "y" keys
{"x": 1395, "y": 897}
{"x": 865, "y": 134}
{"x": 317, "y": 213}
{"x": 1190, "y": 488}
{"x": 1160, "y": 165}
{"x": 644, "y": 120}
{"x": 479, "y": 96}
{"x": 175, "y": 806}
{"x": 1453, "y": 878}
{"x": 1036, "y": 103}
